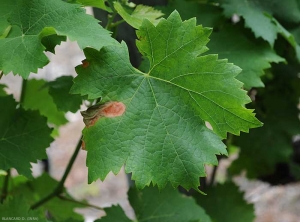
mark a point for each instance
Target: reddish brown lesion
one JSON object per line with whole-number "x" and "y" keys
{"x": 113, "y": 109}
{"x": 109, "y": 110}
{"x": 85, "y": 63}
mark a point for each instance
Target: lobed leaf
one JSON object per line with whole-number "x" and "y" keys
{"x": 162, "y": 136}
{"x": 225, "y": 203}
{"x": 59, "y": 91}
{"x": 135, "y": 17}
{"x": 37, "y": 98}
{"x": 252, "y": 56}
{"x": 150, "y": 205}
{"x": 24, "y": 136}
{"x": 258, "y": 17}
{"x": 278, "y": 105}
{"x": 30, "y": 21}
{"x": 17, "y": 208}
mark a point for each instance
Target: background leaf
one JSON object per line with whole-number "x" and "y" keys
{"x": 135, "y": 17}
{"x": 58, "y": 209}
{"x": 59, "y": 90}
{"x": 225, "y": 203}
{"x": 272, "y": 144}
{"x": 24, "y": 51}
{"x": 168, "y": 205}
{"x": 114, "y": 213}
{"x": 37, "y": 98}
{"x": 24, "y": 136}
{"x": 252, "y": 56}
{"x": 258, "y": 17}
{"x": 18, "y": 207}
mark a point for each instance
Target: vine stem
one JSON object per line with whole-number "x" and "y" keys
{"x": 5, "y": 186}
{"x": 78, "y": 202}
{"x": 1, "y": 74}
{"x": 60, "y": 186}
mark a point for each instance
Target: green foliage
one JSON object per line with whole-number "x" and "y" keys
{"x": 59, "y": 90}
{"x": 239, "y": 48}
{"x": 150, "y": 205}
{"x": 225, "y": 203}
{"x": 17, "y": 208}
{"x": 258, "y": 18}
{"x": 24, "y": 51}
{"x": 279, "y": 112}
{"x": 171, "y": 93}
{"x": 24, "y": 136}
{"x": 167, "y": 205}
{"x": 164, "y": 121}
{"x": 135, "y": 17}
{"x": 37, "y": 98}
{"x": 29, "y": 192}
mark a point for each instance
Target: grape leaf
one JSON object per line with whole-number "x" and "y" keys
{"x": 95, "y": 3}
{"x": 258, "y": 18}
{"x": 207, "y": 14}
{"x": 254, "y": 16}
{"x": 161, "y": 136}
{"x": 169, "y": 205}
{"x": 150, "y": 205}
{"x": 24, "y": 136}
{"x": 51, "y": 41}
{"x": 225, "y": 203}
{"x": 114, "y": 213}
{"x": 239, "y": 48}
{"x": 58, "y": 208}
{"x": 2, "y": 91}
{"x": 59, "y": 90}
{"x": 274, "y": 140}
{"x": 17, "y": 208}
{"x": 136, "y": 17}
{"x": 33, "y": 20}
{"x": 37, "y": 98}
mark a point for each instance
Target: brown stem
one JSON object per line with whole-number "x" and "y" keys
{"x": 59, "y": 189}
{"x": 78, "y": 202}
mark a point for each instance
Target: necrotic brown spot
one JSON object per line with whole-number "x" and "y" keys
{"x": 113, "y": 109}
{"x": 85, "y": 63}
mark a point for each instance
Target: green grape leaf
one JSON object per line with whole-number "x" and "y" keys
{"x": 37, "y": 98}
{"x": 168, "y": 205}
{"x": 24, "y": 136}
{"x": 254, "y": 16}
{"x": 113, "y": 214}
{"x": 161, "y": 136}
{"x": 278, "y": 103}
{"x": 59, "y": 90}
{"x": 13, "y": 182}
{"x": 17, "y": 209}
{"x": 206, "y": 14}
{"x": 258, "y": 18}
{"x": 60, "y": 209}
{"x": 51, "y": 41}
{"x": 252, "y": 56}
{"x": 2, "y": 91}
{"x": 95, "y": 3}
{"x": 136, "y": 17}
{"x": 150, "y": 205}
{"x": 225, "y": 203}
{"x": 22, "y": 46}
